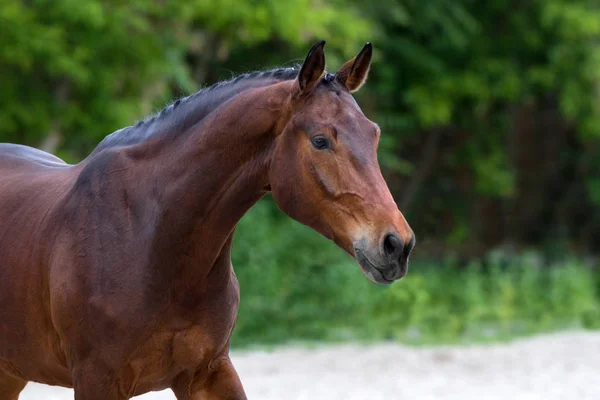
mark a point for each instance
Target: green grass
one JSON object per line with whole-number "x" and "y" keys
{"x": 297, "y": 287}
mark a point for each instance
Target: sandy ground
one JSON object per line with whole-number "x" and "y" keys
{"x": 558, "y": 366}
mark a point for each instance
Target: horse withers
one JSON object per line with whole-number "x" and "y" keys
{"x": 115, "y": 273}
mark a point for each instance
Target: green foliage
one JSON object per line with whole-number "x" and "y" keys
{"x": 300, "y": 288}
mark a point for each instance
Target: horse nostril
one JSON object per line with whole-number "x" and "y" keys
{"x": 392, "y": 246}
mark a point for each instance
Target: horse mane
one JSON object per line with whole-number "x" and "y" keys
{"x": 189, "y": 110}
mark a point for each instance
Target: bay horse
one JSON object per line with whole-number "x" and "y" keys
{"x": 115, "y": 273}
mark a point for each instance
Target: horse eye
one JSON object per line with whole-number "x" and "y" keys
{"x": 320, "y": 143}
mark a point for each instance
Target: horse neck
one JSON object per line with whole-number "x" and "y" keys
{"x": 211, "y": 175}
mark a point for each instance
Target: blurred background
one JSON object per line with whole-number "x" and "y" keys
{"x": 491, "y": 146}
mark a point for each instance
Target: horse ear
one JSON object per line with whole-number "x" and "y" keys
{"x": 353, "y": 74}
{"x": 313, "y": 68}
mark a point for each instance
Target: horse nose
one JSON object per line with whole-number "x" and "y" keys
{"x": 395, "y": 250}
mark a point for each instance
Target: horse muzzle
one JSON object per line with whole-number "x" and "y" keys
{"x": 385, "y": 262}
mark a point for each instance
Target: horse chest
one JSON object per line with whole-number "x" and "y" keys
{"x": 156, "y": 363}
{"x": 173, "y": 349}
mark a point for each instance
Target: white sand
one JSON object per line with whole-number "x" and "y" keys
{"x": 559, "y": 366}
